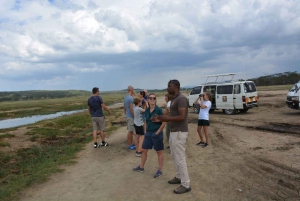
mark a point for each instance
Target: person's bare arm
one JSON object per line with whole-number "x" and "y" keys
{"x": 196, "y": 101}
{"x": 105, "y": 108}
{"x": 202, "y": 106}
{"x": 165, "y": 118}
{"x": 131, "y": 109}
{"x": 89, "y": 108}
{"x": 161, "y": 128}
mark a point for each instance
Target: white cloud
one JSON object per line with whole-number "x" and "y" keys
{"x": 127, "y": 39}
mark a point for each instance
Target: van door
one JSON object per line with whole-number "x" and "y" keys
{"x": 237, "y": 97}
{"x": 224, "y": 97}
{"x": 212, "y": 90}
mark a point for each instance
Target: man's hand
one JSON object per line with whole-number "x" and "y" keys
{"x": 155, "y": 118}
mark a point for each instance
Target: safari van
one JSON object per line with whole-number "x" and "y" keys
{"x": 293, "y": 97}
{"x": 229, "y": 96}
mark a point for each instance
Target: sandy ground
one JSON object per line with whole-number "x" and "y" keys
{"x": 252, "y": 156}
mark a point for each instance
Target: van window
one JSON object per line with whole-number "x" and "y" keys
{"x": 237, "y": 89}
{"x": 226, "y": 89}
{"x": 249, "y": 87}
{"x": 196, "y": 90}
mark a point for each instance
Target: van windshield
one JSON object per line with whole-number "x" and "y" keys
{"x": 296, "y": 87}
{"x": 249, "y": 87}
{"x": 196, "y": 90}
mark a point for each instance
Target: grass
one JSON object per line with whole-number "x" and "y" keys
{"x": 4, "y": 144}
{"x": 15, "y": 109}
{"x": 58, "y": 142}
{"x": 274, "y": 87}
{"x": 6, "y": 135}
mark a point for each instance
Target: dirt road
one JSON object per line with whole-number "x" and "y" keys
{"x": 252, "y": 156}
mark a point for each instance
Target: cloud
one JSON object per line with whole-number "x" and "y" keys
{"x": 74, "y": 44}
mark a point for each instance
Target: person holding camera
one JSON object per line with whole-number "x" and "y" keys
{"x": 204, "y": 100}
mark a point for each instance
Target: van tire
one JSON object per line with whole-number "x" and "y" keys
{"x": 196, "y": 108}
{"x": 211, "y": 110}
{"x": 229, "y": 111}
{"x": 243, "y": 110}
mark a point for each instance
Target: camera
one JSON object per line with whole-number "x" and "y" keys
{"x": 200, "y": 95}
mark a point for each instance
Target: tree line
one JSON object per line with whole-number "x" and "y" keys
{"x": 277, "y": 79}
{"x": 41, "y": 94}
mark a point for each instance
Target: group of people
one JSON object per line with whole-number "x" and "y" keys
{"x": 146, "y": 121}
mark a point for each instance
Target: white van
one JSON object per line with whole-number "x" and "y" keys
{"x": 293, "y": 97}
{"x": 229, "y": 96}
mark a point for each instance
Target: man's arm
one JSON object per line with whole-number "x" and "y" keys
{"x": 105, "y": 108}
{"x": 165, "y": 118}
{"x": 131, "y": 109}
{"x": 89, "y": 108}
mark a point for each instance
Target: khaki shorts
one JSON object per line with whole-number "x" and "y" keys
{"x": 98, "y": 123}
{"x": 130, "y": 124}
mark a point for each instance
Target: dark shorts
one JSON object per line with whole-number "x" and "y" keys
{"x": 153, "y": 140}
{"x": 139, "y": 130}
{"x": 203, "y": 122}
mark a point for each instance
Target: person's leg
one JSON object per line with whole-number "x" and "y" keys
{"x": 129, "y": 138}
{"x": 143, "y": 157}
{"x": 205, "y": 128}
{"x": 179, "y": 155}
{"x": 95, "y": 129}
{"x": 168, "y": 131}
{"x": 102, "y": 128}
{"x": 141, "y": 140}
{"x": 172, "y": 142}
{"x": 160, "y": 155}
{"x": 199, "y": 128}
{"x": 95, "y": 136}
{"x": 102, "y": 135}
{"x": 137, "y": 136}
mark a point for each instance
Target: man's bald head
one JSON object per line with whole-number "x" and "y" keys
{"x": 130, "y": 90}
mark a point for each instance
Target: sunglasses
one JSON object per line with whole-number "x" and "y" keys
{"x": 152, "y": 98}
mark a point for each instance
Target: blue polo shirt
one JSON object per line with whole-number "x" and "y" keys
{"x": 152, "y": 126}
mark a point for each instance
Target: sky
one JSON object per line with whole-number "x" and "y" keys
{"x": 111, "y": 44}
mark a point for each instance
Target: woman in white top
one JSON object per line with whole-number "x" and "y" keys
{"x": 203, "y": 119}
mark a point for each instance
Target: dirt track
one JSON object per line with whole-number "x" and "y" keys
{"x": 252, "y": 156}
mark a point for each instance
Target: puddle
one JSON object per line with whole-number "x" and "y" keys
{"x": 10, "y": 123}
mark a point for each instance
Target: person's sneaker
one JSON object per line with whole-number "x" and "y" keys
{"x": 158, "y": 174}
{"x": 182, "y": 189}
{"x": 138, "y": 154}
{"x": 200, "y": 143}
{"x": 205, "y": 145}
{"x": 175, "y": 180}
{"x": 96, "y": 145}
{"x": 138, "y": 169}
{"x": 132, "y": 147}
{"x": 104, "y": 144}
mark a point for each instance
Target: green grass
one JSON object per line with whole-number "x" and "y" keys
{"x": 4, "y": 144}
{"x": 58, "y": 142}
{"x": 274, "y": 87}
{"x": 6, "y": 135}
{"x": 14, "y": 109}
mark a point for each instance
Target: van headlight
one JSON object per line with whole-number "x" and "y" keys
{"x": 295, "y": 98}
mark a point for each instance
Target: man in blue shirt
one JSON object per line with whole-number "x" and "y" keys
{"x": 129, "y": 113}
{"x": 96, "y": 104}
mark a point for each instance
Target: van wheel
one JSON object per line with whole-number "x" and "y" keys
{"x": 196, "y": 109}
{"x": 229, "y": 111}
{"x": 211, "y": 110}
{"x": 243, "y": 110}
